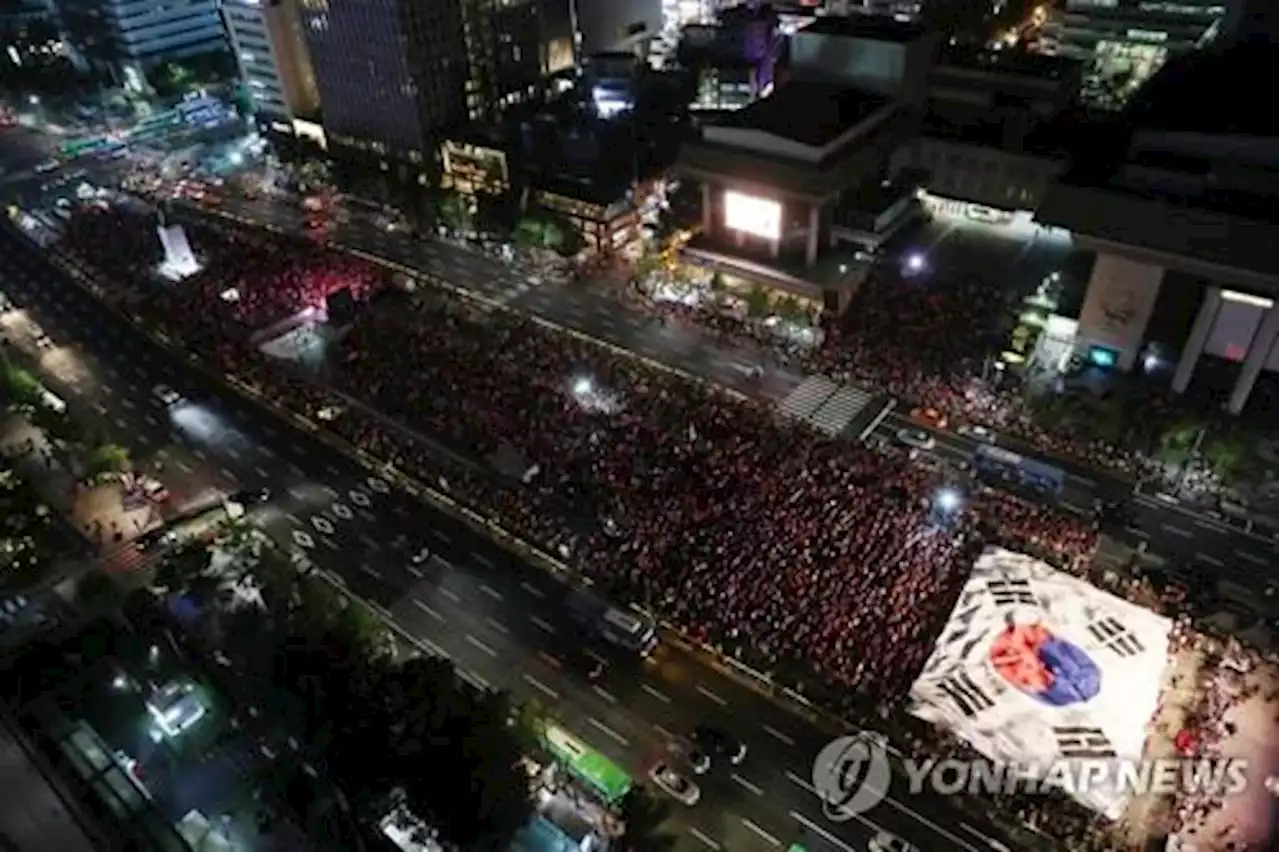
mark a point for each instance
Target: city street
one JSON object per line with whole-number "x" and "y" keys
{"x": 500, "y": 621}
{"x": 1170, "y": 531}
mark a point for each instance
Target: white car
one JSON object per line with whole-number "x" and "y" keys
{"x": 977, "y": 433}
{"x": 47, "y": 166}
{"x": 674, "y": 784}
{"x": 917, "y": 439}
{"x": 886, "y": 842}
{"x": 167, "y": 395}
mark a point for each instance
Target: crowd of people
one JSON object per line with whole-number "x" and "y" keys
{"x": 248, "y": 280}
{"x": 828, "y": 564}
{"x": 923, "y": 344}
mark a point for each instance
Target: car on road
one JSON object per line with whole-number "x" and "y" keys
{"x": 718, "y": 743}
{"x": 47, "y": 166}
{"x": 886, "y": 842}
{"x": 167, "y": 395}
{"x": 674, "y": 784}
{"x": 977, "y": 433}
{"x": 931, "y": 417}
{"x": 917, "y": 439}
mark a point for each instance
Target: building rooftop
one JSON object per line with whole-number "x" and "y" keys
{"x": 809, "y": 113}
{"x": 875, "y": 27}
{"x": 1210, "y": 82}
{"x": 1038, "y": 65}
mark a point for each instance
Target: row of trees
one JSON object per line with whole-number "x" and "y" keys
{"x": 381, "y": 722}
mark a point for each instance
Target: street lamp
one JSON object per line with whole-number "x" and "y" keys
{"x": 947, "y": 500}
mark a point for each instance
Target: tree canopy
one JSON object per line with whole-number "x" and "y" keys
{"x": 387, "y": 724}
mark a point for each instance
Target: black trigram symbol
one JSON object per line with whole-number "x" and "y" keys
{"x": 969, "y": 698}
{"x": 1011, "y": 592}
{"x": 1083, "y": 742}
{"x": 1110, "y": 633}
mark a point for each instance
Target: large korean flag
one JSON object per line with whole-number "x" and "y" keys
{"x": 1035, "y": 665}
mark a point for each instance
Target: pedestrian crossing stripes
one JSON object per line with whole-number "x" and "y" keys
{"x": 825, "y": 405}
{"x": 807, "y": 397}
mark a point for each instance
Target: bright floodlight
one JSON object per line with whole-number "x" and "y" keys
{"x": 582, "y": 385}
{"x": 915, "y": 262}
{"x": 948, "y": 500}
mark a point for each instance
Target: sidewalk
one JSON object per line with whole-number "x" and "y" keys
{"x": 98, "y": 513}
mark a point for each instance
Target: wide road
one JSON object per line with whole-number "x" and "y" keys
{"x": 1201, "y": 543}
{"x": 498, "y": 619}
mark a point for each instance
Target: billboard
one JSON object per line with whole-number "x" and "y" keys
{"x": 1035, "y": 666}
{"x": 1122, "y": 294}
{"x": 749, "y": 214}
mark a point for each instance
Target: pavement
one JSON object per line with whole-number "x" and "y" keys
{"x": 501, "y": 621}
{"x": 1215, "y": 550}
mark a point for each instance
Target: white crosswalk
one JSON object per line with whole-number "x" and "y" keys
{"x": 840, "y": 409}
{"x": 807, "y": 397}
{"x": 825, "y": 405}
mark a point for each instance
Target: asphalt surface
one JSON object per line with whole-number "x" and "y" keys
{"x": 499, "y": 620}
{"x": 1214, "y": 550}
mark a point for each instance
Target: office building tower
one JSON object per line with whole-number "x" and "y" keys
{"x": 271, "y": 53}
{"x": 394, "y": 75}
{"x": 128, "y": 38}
{"x": 605, "y": 25}
{"x": 1122, "y": 43}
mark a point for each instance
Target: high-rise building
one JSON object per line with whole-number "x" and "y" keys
{"x": 127, "y": 38}
{"x": 1122, "y": 43}
{"x": 394, "y": 75}
{"x": 271, "y": 53}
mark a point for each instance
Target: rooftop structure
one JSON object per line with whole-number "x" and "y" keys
{"x": 1187, "y": 191}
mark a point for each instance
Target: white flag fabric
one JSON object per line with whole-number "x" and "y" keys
{"x": 1036, "y": 665}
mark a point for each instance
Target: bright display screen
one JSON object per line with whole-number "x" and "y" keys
{"x": 759, "y": 217}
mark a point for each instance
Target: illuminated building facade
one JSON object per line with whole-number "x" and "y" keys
{"x": 126, "y": 38}
{"x": 395, "y": 75}
{"x": 271, "y": 53}
{"x": 1122, "y": 43}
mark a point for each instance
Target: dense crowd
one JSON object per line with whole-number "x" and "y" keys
{"x": 924, "y": 344}
{"x": 823, "y": 562}
{"x": 248, "y": 281}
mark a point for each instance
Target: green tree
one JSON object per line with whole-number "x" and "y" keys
{"x": 529, "y": 233}
{"x": 105, "y": 462}
{"x": 643, "y": 816}
{"x": 19, "y": 389}
{"x": 455, "y": 212}
{"x": 1227, "y": 453}
{"x": 759, "y": 301}
{"x": 717, "y": 282}
{"x": 1177, "y": 442}
{"x": 646, "y": 266}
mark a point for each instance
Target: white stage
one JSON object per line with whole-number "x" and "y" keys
{"x": 1036, "y": 666}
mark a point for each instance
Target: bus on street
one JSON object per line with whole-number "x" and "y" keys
{"x": 601, "y": 775}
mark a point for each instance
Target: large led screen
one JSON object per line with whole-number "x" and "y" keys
{"x": 759, "y": 217}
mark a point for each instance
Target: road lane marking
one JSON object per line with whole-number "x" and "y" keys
{"x": 418, "y": 575}
{"x": 473, "y": 678}
{"x": 491, "y": 591}
{"x": 1208, "y": 525}
{"x": 497, "y": 625}
{"x": 711, "y": 696}
{"x": 542, "y": 687}
{"x": 778, "y": 735}
{"x": 440, "y": 534}
{"x": 261, "y": 471}
{"x": 747, "y": 785}
{"x": 371, "y": 571}
{"x": 482, "y": 559}
{"x": 609, "y": 732}
{"x": 1251, "y": 557}
{"x": 655, "y": 693}
{"x": 542, "y": 624}
{"x": 1178, "y": 531}
{"x": 553, "y": 662}
{"x": 605, "y": 694}
{"x": 533, "y": 590}
{"x": 428, "y": 610}
{"x": 476, "y": 643}
{"x": 1210, "y": 560}
{"x": 761, "y": 833}
{"x": 822, "y": 832}
{"x": 452, "y": 597}
{"x": 664, "y": 732}
{"x": 706, "y": 841}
